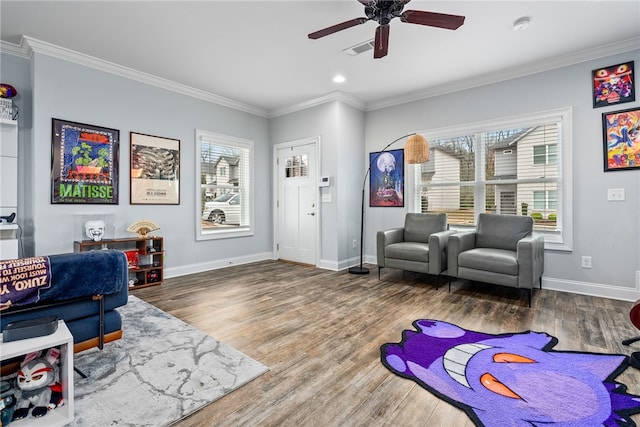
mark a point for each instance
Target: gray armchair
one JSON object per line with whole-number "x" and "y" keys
{"x": 501, "y": 251}
{"x": 420, "y": 246}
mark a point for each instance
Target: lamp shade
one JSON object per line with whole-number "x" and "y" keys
{"x": 417, "y": 149}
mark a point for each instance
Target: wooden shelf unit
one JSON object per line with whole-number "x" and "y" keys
{"x": 150, "y": 268}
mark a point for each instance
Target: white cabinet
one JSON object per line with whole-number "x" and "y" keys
{"x": 62, "y": 339}
{"x": 8, "y": 186}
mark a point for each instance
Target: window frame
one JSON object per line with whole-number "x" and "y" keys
{"x": 232, "y": 141}
{"x": 561, "y": 240}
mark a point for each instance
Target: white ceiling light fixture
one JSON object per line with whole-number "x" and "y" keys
{"x": 521, "y": 24}
{"x": 339, "y": 78}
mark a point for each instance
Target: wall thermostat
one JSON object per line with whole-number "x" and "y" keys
{"x": 325, "y": 181}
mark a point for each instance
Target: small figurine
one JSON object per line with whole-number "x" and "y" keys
{"x": 94, "y": 229}
{"x": 37, "y": 380}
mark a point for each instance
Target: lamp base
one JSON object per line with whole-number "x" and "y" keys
{"x": 359, "y": 270}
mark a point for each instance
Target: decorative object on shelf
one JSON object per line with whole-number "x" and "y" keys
{"x": 414, "y": 156}
{"x": 6, "y": 109}
{"x": 155, "y": 170}
{"x": 8, "y": 398}
{"x": 613, "y": 85}
{"x": 85, "y": 163}
{"x": 94, "y": 230}
{"x": 386, "y": 182}
{"x": 133, "y": 258}
{"x": 621, "y": 139}
{"x": 37, "y": 380}
{"x": 143, "y": 227}
{"x": 7, "y": 91}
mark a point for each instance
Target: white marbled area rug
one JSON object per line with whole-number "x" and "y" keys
{"x": 160, "y": 371}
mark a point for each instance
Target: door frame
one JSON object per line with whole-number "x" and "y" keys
{"x": 315, "y": 141}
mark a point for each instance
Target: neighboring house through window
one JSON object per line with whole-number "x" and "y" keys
{"x": 516, "y": 166}
{"x": 224, "y": 198}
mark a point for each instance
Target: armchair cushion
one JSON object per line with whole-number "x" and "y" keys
{"x": 490, "y": 259}
{"x": 412, "y": 251}
{"x": 418, "y": 227}
{"x": 502, "y": 231}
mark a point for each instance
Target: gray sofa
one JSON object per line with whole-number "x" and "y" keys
{"x": 502, "y": 251}
{"x": 420, "y": 246}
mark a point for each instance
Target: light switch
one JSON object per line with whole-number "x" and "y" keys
{"x": 326, "y": 198}
{"x": 615, "y": 194}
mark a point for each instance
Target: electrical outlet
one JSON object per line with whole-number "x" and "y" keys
{"x": 355, "y": 244}
{"x": 586, "y": 262}
{"x": 615, "y": 194}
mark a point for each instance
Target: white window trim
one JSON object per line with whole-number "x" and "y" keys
{"x": 563, "y": 241}
{"x": 231, "y": 232}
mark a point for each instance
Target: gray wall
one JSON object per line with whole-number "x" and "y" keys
{"x": 609, "y": 232}
{"x": 341, "y": 131}
{"x": 69, "y": 91}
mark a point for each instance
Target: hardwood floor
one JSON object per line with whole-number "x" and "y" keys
{"x": 320, "y": 331}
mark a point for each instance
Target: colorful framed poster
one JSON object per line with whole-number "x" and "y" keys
{"x": 155, "y": 170}
{"x": 386, "y": 181}
{"x": 613, "y": 85}
{"x": 84, "y": 165}
{"x": 621, "y": 135}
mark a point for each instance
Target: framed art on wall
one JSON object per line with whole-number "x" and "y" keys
{"x": 84, "y": 163}
{"x": 386, "y": 181}
{"x": 621, "y": 139}
{"x": 613, "y": 85}
{"x": 155, "y": 170}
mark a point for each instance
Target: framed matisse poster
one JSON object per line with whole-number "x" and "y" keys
{"x": 155, "y": 170}
{"x": 613, "y": 85}
{"x": 386, "y": 181}
{"x": 84, "y": 163}
{"x": 621, "y": 135}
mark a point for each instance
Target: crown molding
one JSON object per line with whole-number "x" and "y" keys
{"x": 510, "y": 73}
{"x": 333, "y": 96}
{"x": 29, "y": 45}
{"x": 45, "y": 48}
{"x": 22, "y": 50}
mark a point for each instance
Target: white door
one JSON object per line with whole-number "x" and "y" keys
{"x": 297, "y": 209}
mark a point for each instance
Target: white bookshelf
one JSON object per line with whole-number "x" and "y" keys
{"x": 62, "y": 339}
{"x": 9, "y": 187}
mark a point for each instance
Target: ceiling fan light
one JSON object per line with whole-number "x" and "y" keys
{"x": 416, "y": 149}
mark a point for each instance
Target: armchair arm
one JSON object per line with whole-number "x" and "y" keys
{"x": 530, "y": 255}
{"x": 438, "y": 243}
{"x": 458, "y": 243}
{"x": 387, "y": 237}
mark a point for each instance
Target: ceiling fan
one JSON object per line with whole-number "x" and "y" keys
{"x": 383, "y": 11}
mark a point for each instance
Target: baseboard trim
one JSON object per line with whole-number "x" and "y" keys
{"x": 591, "y": 289}
{"x": 216, "y": 264}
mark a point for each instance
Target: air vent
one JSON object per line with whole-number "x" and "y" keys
{"x": 359, "y": 48}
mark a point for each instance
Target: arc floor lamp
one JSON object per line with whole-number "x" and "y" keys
{"x": 416, "y": 151}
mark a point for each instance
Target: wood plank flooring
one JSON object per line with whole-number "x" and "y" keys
{"x": 320, "y": 331}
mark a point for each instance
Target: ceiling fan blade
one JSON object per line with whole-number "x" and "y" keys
{"x": 432, "y": 19}
{"x": 338, "y": 27}
{"x": 381, "y": 42}
{"x": 369, "y": 2}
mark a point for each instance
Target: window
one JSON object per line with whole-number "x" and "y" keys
{"x": 224, "y": 198}
{"x": 516, "y": 166}
{"x": 545, "y": 154}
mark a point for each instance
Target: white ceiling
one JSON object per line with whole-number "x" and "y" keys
{"x": 258, "y": 53}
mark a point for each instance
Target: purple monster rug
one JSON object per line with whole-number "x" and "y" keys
{"x": 513, "y": 379}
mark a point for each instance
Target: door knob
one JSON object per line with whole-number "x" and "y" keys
{"x": 311, "y": 213}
